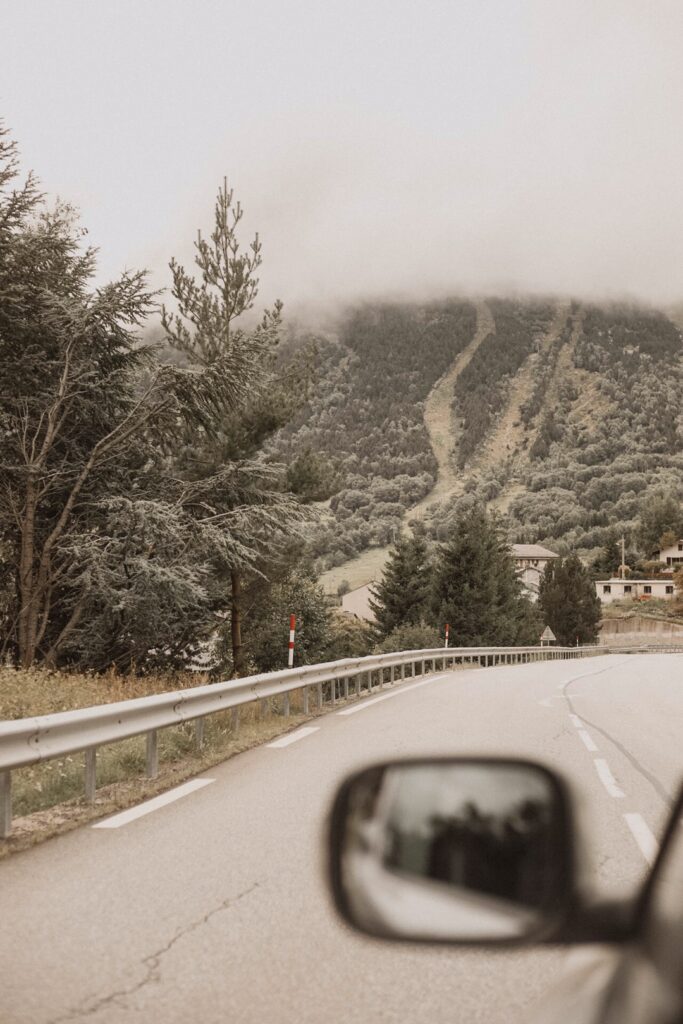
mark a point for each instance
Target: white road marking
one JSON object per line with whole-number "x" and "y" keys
{"x": 117, "y": 820}
{"x": 587, "y": 739}
{"x": 643, "y": 836}
{"x": 607, "y": 779}
{"x": 575, "y": 720}
{"x": 293, "y": 737}
{"x": 387, "y": 696}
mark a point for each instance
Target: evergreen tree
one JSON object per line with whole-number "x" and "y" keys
{"x": 88, "y": 515}
{"x": 241, "y": 489}
{"x": 568, "y": 601}
{"x": 475, "y": 587}
{"x": 662, "y": 514}
{"x": 401, "y": 595}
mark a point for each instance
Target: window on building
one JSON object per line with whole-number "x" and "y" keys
{"x": 607, "y": 589}
{"x": 669, "y": 590}
{"x": 647, "y": 590}
{"x": 680, "y": 546}
{"x": 627, "y": 588}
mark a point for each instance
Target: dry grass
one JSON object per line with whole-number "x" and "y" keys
{"x": 48, "y": 798}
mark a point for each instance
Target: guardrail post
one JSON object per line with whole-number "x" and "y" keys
{"x": 346, "y": 687}
{"x": 235, "y": 720}
{"x": 357, "y": 686}
{"x": 152, "y": 754}
{"x": 391, "y": 675}
{"x": 333, "y": 691}
{"x": 320, "y": 696}
{"x": 304, "y": 698}
{"x": 5, "y": 804}
{"x": 369, "y": 675}
{"x": 199, "y": 732}
{"x": 403, "y": 670}
{"x": 90, "y": 774}
{"x": 285, "y": 705}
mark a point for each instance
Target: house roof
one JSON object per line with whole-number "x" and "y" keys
{"x": 532, "y": 551}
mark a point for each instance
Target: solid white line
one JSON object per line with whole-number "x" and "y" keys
{"x": 387, "y": 696}
{"x": 607, "y": 779}
{"x": 575, "y": 720}
{"x": 587, "y": 739}
{"x": 641, "y": 833}
{"x": 117, "y": 820}
{"x": 293, "y": 737}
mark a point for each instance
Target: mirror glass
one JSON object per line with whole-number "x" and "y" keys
{"x": 451, "y": 850}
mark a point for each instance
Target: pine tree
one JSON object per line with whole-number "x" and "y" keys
{"x": 401, "y": 594}
{"x": 242, "y": 490}
{"x": 475, "y": 587}
{"x": 568, "y": 601}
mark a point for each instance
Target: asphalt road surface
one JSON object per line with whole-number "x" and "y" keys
{"x": 214, "y": 907}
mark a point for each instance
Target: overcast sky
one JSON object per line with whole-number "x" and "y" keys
{"x": 378, "y": 147}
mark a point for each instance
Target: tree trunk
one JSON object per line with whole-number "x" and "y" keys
{"x": 236, "y": 624}
{"x": 28, "y": 599}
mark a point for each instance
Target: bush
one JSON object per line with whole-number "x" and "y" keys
{"x": 410, "y": 637}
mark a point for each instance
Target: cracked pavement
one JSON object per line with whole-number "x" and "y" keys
{"x": 215, "y": 908}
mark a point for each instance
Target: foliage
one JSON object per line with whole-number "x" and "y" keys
{"x": 115, "y": 531}
{"x": 568, "y": 601}
{"x": 663, "y": 514}
{"x": 349, "y": 637}
{"x": 411, "y": 636}
{"x": 364, "y": 418}
{"x": 476, "y": 589}
{"x": 401, "y": 594}
{"x": 203, "y": 329}
{"x": 481, "y": 389}
{"x": 266, "y": 627}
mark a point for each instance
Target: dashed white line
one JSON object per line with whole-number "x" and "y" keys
{"x": 117, "y": 820}
{"x": 587, "y": 739}
{"x": 575, "y": 720}
{"x": 643, "y": 836}
{"x": 607, "y": 779}
{"x": 388, "y": 696}
{"x": 293, "y": 737}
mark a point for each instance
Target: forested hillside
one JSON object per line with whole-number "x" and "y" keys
{"x": 599, "y": 426}
{"x": 365, "y": 416}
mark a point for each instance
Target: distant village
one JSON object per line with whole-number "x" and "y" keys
{"x": 530, "y": 562}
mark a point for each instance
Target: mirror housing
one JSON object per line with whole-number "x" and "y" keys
{"x": 458, "y": 850}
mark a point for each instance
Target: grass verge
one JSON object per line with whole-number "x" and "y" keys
{"x": 48, "y": 798}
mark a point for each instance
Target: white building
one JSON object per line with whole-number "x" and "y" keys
{"x": 671, "y": 556}
{"x": 617, "y": 589}
{"x": 357, "y": 602}
{"x": 530, "y": 562}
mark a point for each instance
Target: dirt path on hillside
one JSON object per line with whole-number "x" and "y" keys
{"x": 441, "y": 429}
{"x": 508, "y": 434}
{"x": 440, "y": 422}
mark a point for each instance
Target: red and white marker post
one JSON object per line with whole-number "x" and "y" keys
{"x": 292, "y": 634}
{"x": 447, "y": 631}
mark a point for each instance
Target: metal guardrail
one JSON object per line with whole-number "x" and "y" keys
{"x": 29, "y": 741}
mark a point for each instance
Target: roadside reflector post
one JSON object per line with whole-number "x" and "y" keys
{"x": 5, "y": 804}
{"x": 152, "y": 754}
{"x": 90, "y": 774}
{"x": 447, "y": 631}
{"x": 292, "y": 634}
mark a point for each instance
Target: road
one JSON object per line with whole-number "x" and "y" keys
{"x": 214, "y": 907}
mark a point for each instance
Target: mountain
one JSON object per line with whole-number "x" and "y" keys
{"x": 566, "y": 417}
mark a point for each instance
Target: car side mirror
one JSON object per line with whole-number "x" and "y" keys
{"x": 459, "y": 850}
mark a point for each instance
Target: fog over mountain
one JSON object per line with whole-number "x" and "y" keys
{"x": 387, "y": 148}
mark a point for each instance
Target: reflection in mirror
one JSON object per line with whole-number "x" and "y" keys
{"x": 452, "y": 850}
